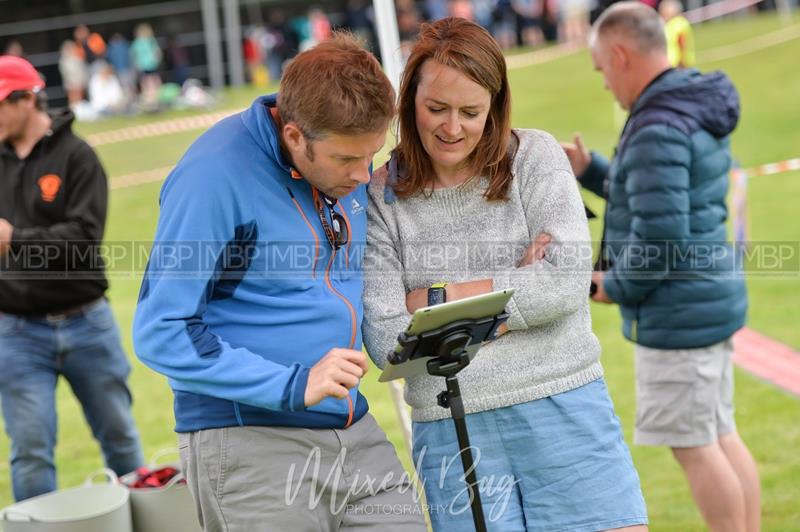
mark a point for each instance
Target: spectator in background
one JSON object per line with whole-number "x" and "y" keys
{"x": 550, "y": 20}
{"x": 529, "y": 16}
{"x": 74, "y": 72}
{"x": 436, "y": 9}
{"x": 54, "y": 318}
{"x": 574, "y": 23}
{"x": 461, "y": 9}
{"x": 407, "y": 25}
{"x": 177, "y": 60}
{"x": 678, "y": 31}
{"x": 504, "y": 24}
{"x": 146, "y": 55}
{"x": 91, "y": 46}
{"x": 280, "y": 43}
{"x": 253, "y": 55}
{"x": 360, "y": 17}
{"x": 311, "y": 29}
{"x": 320, "y": 25}
{"x": 118, "y": 54}
{"x": 106, "y": 95}
{"x": 301, "y": 28}
{"x": 482, "y": 11}
{"x": 671, "y": 269}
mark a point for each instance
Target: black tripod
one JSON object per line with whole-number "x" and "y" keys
{"x": 451, "y": 398}
{"x": 449, "y": 349}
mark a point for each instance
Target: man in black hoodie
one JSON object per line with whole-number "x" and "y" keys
{"x": 54, "y": 318}
{"x": 668, "y": 264}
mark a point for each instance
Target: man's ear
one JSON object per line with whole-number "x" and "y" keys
{"x": 293, "y": 138}
{"x": 620, "y": 55}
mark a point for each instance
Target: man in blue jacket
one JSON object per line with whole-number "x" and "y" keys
{"x": 668, "y": 263}
{"x": 251, "y": 306}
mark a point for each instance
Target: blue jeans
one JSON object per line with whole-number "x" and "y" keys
{"x": 86, "y": 350}
{"x": 556, "y": 463}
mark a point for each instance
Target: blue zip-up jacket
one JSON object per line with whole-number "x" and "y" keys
{"x": 243, "y": 293}
{"x": 673, "y": 272}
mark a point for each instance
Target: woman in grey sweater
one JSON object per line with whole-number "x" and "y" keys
{"x": 468, "y": 202}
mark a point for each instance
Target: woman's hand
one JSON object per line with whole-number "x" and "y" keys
{"x": 536, "y": 251}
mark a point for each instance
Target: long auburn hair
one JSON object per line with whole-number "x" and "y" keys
{"x": 467, "y": 47}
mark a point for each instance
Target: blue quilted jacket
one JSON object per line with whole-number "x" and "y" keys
{"x": 672, "y": 270}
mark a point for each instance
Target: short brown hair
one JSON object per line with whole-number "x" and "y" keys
{"x": 467, "y": 47}
{"x": 337, "y": 87}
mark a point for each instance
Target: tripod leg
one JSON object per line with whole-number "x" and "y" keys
{"x": 457, "y": 410}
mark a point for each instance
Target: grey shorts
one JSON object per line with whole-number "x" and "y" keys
{"x": 684, "y": 397}
{"x": 258, "y": 479}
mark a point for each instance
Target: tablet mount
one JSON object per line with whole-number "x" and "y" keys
{"x": 447, "y": 349}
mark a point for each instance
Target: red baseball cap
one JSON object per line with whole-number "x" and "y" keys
{"x": 16, "y": 74}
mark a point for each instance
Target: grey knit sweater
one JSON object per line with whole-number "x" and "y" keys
{"x": 455, "y": 235}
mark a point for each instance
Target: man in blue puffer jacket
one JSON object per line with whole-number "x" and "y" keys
{"x": 667, "y": 261}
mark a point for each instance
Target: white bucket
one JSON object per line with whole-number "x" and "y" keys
{"x": 88, "y": 508}
{"x": 168, "y": 508}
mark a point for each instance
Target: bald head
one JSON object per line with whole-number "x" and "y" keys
{"x": 638, "y": 25}
{"x": 669, "y": 9}
{"x": 629, "y": 48}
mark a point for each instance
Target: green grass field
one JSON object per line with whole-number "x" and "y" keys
{"x": 563, "y": 96}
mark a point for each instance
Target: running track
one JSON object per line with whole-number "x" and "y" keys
{"x": 767, "y": 359}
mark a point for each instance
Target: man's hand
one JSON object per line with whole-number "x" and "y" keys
{"x": 6, "y": 230}
{"x": 600, "y": 296}
{"x": 579, "y": 157}
{"x": 536, "y": 251}
{"x": 336, "y": 373}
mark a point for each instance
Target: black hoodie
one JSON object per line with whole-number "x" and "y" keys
{"x": 56, "y": 199}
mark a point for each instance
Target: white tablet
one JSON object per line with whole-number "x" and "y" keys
{"x": 430, "y": 318}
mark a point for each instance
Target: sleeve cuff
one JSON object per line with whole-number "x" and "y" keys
{"x": 594, "y": 177}
{"x": 614, "y": 290}
{"x": 297, "y": 395}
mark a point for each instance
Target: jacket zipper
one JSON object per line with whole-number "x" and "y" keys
{"x": 351, "y": 310}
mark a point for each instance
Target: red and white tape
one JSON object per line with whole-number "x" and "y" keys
{"x": 717, "y": 9}
{"x": 139, "y": 178}
{"x": 163, "y": 127}
{"x": 768, "y": 169}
